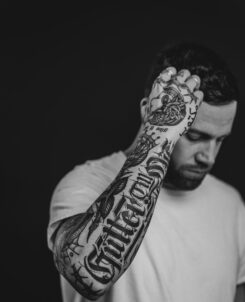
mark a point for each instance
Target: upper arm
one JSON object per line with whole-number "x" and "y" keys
{"x": 240, "y": 290}
{"x": 240, "y": 293}
{"x": 241, "y": 244}
{"x": 73, "y": 195}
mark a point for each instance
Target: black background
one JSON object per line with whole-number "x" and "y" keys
{"x": 72, "y": 78}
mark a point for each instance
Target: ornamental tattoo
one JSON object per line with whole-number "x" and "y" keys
{"x": 172, "y": 110}
{"x": 171, "y": 104}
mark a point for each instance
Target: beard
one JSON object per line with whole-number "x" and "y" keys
{"x": 184, "y": 178}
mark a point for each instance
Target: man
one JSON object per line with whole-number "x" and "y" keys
{"x": 194, "y": 248}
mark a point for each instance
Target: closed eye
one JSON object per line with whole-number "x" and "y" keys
{"x": 193, "y": 136}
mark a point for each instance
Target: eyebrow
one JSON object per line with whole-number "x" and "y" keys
{"x": 206, "y": 135}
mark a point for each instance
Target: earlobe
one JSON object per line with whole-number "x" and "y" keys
{"x": 143, "y": 103}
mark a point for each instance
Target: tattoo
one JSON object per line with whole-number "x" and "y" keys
{"x": 105, "y": 203}
{"x": 172, "y": 110}
{"x": 171, "y": 105}
{"x": 66, "y": 249}
{"x": 191, "y": 118}
{"x": 94, "y": 249}
{"x": 145, "y": 143}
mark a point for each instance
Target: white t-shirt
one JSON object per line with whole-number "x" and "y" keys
{"x": 194, "y": 249}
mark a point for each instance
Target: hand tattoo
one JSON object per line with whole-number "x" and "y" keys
{"x": 93, "y": 249}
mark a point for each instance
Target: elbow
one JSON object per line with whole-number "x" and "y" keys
{"x": 88, "y": 288}
{"x": 82, "y": 282}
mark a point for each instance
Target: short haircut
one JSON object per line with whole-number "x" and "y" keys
{"x": 218, "y": 83}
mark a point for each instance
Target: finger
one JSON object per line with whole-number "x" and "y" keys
{"x": 168, "y": 73}
{"x": 199, "y": 95}
{"x": 182, "y": 75}
{"x": 193, "y": 82}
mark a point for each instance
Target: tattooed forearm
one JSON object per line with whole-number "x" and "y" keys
{"x": 93, "y": 249}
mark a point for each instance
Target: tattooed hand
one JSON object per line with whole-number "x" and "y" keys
{"x": 93, "y": 249}
{"x": 173, "y": 102}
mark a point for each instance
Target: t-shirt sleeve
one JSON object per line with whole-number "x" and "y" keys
{"x": 75, "y": 193}
{"x": 241, "y": 241}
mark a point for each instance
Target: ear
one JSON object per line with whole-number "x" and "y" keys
{"x": 143, "y": 103}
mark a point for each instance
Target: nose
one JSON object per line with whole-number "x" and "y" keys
{"x": 207, "y": 153}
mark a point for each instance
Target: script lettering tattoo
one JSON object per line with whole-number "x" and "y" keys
{"x": 117, "y": 220}
{"x": 121, "y": 232}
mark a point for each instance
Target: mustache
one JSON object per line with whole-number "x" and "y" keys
{"x": 197, "y": 168}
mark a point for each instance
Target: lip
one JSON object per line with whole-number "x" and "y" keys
{"x": 195, "y": 172}
{"x": 198, "y": 171}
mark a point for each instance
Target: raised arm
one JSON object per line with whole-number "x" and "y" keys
{"x": 93, "y": 249}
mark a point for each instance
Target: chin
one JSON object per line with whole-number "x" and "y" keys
{"x": 179, "y": 181}
{"x": 187, "y": 184}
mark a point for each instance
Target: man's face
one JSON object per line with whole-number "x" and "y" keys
{"x": 195, "y": 153}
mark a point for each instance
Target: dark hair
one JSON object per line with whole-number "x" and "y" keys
{"x": 218, "y": 83}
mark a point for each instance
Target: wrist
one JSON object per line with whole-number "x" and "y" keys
{"x": 160, "y": 134}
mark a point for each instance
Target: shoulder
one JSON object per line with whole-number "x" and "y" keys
{"x": 222, "y": 188}
{"x": 80, "y": 187}
{"x": 223, "y": 195}
{"x": 106, "y": 167}
{"x": 112, "y": 162}
{"x": 91, "y": 177}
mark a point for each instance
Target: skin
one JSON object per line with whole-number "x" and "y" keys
{"x": 93, "y": 249}
{"x": 195, "y": 153}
